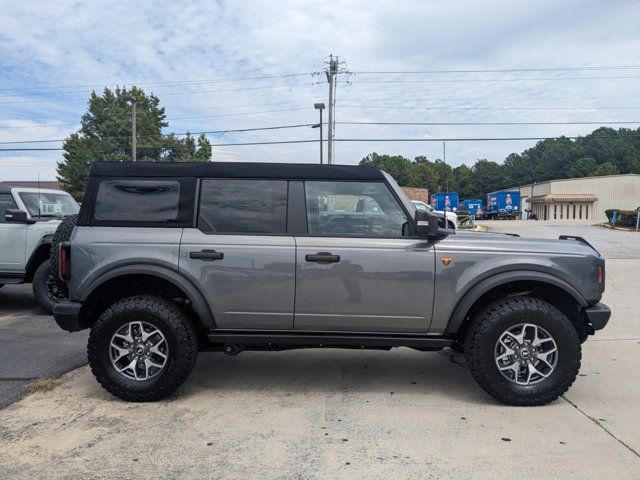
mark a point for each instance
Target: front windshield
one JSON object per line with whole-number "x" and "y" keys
{"x": 47, "y": 204}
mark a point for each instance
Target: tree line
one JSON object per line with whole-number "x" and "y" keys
{"x": 605, "y": 151}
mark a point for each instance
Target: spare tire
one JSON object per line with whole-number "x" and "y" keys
{"x": 63, "y": 233}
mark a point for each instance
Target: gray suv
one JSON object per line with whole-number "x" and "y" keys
{"x": 168, "y": 260}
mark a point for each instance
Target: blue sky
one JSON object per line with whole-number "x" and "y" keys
{"x": 52, "y": 54}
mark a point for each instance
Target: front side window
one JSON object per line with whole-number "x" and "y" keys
{"x": 140, "y": 201}
{"x": 358, "y": 209}
{"x": 6, "y": 203}
{"x": 243, "y": 206}
{"x": 46, "y": 204}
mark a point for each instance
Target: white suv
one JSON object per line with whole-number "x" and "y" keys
{"x": 28, "y": 219}
{"x": 452, "y": 218}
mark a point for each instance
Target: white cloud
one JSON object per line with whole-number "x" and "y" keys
{"x": 86, "y": 45}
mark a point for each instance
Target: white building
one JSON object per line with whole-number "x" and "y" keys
{"x": 584, "y": 198}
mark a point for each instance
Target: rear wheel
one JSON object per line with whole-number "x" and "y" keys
{"x": 523, "y": 351}
{"x": 62, "y": 234}
{"x": 142, "y": 348}
{"x": 45, "y": 288}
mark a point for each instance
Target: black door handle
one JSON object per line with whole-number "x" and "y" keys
{"x": 206, "y": 255}
{"x": 322, "y": 257}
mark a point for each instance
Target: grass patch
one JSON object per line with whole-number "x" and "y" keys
{"x": 43, "y": 385}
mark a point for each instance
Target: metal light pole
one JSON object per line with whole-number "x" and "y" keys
{"x": 320, "y": 107}
{"x": 132, "y": 99}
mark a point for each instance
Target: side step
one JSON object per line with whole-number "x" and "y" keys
{"x": 332, "y": 339}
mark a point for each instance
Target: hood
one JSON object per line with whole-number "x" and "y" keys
{"x": 483, "y": 241}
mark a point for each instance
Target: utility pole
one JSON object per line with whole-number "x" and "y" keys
{"x": 331, "y": 73}
{"x": 132, "y": 99}
{"x": 444, "y": 159}
{"x": 320, "y": 107}
{"x": 334, "y": 68}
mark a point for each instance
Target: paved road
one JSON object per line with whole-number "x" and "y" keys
{"x": 610, "y": 243}
{"x": 31, "y": 344}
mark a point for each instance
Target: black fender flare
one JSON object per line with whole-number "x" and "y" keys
{"x": 194, "y": 295}
{"x": 474, "y": 293}
{"x": 45, "y": 242}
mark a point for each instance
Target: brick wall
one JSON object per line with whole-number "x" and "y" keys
{"x": 420, "y": 194}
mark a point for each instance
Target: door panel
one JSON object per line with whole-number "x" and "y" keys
{"x": 13, "y": 250}
{"x": 12, "y": 239}
{"x": 251, "y": 286}
{"x": 377, "y": 285}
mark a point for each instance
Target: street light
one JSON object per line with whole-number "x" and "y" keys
{"x": 319, "y": 106}
{"x": 132, "y": 99}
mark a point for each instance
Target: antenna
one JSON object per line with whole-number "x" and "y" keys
{"x": 39, "y": 212}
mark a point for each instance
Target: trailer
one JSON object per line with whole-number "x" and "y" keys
{"x": 445, "y": 201}
{"x": 503, "y": 205}
{"x": 474, "y": 207}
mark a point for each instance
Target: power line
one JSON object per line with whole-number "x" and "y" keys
{"x": 503, "y": 70}
{"x": 196, "y": 92}
{"x": 236, "y": 130}
{"x": 57, "y": 149}
{"x": 623, "y": 122}
{"x": 443, "y": 139}
{"x": 406, "y": 107}
{"x": 167, "y": 83}
{"x": 468, "y": 80}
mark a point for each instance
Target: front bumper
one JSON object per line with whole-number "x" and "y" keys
{"x": 598, "y": 315}
{"x": 67, "y": 316}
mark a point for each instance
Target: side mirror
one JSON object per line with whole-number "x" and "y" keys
{"x": 15, "y": 215}
{"x": 426, "y": 223}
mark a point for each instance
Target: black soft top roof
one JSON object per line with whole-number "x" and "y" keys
{"x": 295, "y": 171}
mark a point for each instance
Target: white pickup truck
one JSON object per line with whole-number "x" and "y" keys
{"x": 28, "y": 219}
{"x": 452, "y": 218}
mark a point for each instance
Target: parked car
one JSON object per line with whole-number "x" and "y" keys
{"x": 167, "y": 260}
{"x": 28, "y": 220}
{"x": 452, "y": 218}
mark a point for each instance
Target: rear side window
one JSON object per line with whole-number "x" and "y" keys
{"x": 243, "y": 206}
{"x": 142, "y": 201}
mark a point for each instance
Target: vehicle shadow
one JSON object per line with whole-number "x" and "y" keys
{"x": 330, "y": 371}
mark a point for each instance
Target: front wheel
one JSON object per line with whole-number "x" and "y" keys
{"x": 523, "y": 351}
{"x": 142, "y": 348}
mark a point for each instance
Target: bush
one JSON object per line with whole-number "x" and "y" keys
{"x": 624, "y": 218}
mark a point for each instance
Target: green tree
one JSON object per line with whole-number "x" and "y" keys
{"x": 105, "y": 135}
{"x": 607, "y": 168}
{"x": 583, "y": 167}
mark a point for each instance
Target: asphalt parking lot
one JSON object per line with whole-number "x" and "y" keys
{"x": 343, "y": 413}
{"x": 32, "y": 347}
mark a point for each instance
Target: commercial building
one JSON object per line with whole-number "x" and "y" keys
{"x": 584, "y": 198}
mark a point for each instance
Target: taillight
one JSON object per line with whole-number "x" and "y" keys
{"x": 600, "y": 274}
{"x": 64, "y": 261}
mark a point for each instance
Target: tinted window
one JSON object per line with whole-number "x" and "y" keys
{"x": 6, "y": 202}
{"x": 138, "y": 200}
{"x": 243, "y": 206}
{"x": 359, "y": 209}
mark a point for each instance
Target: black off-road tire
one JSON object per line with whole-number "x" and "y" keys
{"x": 491, "y": 322}
{"x": 62, "y": 234}
{"x": 43, "y": 289}
{"x": 174, "y": 325}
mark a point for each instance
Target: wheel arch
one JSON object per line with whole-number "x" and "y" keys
{"x": 39, "y": 254}
{"x": 130, "y": 280}
{"x": 540, "y": 284}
